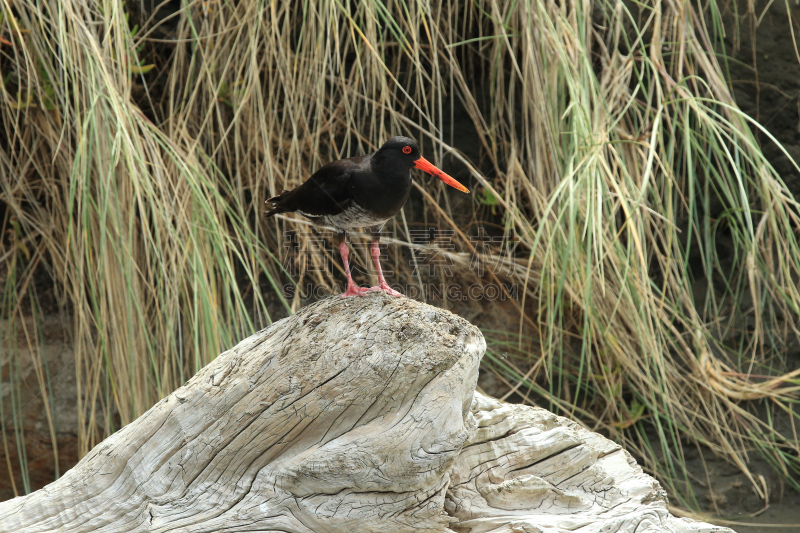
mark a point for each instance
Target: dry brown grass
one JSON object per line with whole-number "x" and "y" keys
{"x": 609, "y": 140}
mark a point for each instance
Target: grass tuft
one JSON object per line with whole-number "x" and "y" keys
{"x": 655, "y": 247}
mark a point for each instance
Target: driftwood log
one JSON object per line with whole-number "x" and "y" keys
{"x": 353, "y": 415}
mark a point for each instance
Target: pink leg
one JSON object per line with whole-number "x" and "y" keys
{"x": 352, "y": 290}
{"x": 375, "y": 250}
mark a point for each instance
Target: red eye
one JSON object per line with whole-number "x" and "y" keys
{"x": 406, "y": 149}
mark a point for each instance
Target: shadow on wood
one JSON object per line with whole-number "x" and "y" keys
{"x": 354, "y": 415}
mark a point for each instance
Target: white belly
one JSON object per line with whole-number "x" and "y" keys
{"x": 351, "y": 218}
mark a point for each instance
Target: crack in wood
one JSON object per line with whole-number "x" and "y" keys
{"x": 356, "y": 416}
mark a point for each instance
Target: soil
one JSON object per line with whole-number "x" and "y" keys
{"x": 771, "y": 95}
{"x": 56, "y": 351}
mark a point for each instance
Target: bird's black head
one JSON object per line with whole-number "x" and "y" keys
{"x": 400, "y": 150}
{"x": 402, "y": 153}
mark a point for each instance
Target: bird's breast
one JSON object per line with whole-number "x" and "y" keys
{"x": 383, "y": 196}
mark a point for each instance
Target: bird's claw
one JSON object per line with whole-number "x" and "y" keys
{"x": 352, "y": 290}
{"x": 388, "y": 290}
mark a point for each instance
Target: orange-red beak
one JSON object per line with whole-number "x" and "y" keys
{"x": 424, "y": 164}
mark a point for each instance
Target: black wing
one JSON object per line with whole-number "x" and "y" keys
{"x": 328, "y": 191}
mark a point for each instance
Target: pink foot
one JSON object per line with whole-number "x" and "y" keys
{"x": 388, "y": 290}
{"x": 375, "y": 251}
{"x": 352, "y": 290}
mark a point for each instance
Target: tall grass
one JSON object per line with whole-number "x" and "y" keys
{"x": 135, "y": 162}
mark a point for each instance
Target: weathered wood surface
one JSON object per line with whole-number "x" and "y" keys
{"x": 353, "y": 415}
{"x": 526, "y": 470}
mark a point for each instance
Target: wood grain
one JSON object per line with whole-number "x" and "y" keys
{"x": 354, "y": 415}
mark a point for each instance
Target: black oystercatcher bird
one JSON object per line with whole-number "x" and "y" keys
{"x": 360, "y": 192}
